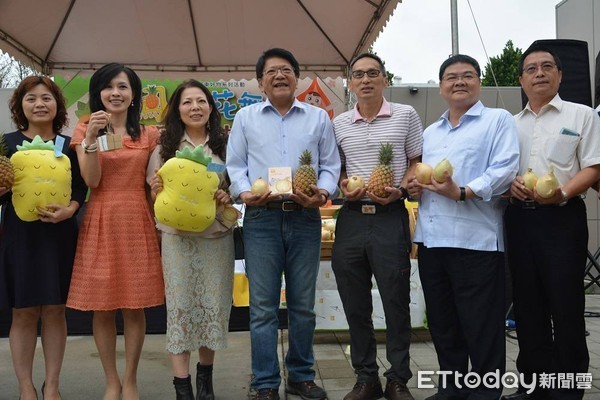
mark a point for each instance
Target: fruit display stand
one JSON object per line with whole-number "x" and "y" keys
{"x": 413, "y": 211}
{"x": 326, "y": 247}
{"x": 327, "y": 214}
{"x": 328, "y": 305}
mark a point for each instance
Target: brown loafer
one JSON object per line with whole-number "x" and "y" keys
{"x": 395, "y": 390}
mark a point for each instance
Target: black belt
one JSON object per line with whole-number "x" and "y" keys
{"x": 534, "y": 205}
{"x": 285, "y": 205}
{"x": 367, "y": 207}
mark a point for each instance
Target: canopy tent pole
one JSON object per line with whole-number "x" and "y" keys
{"x": 454, "y": 26}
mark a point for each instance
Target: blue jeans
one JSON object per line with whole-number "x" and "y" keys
{"x": 280, "y": 242}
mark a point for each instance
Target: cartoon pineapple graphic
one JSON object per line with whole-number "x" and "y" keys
{"x": 187, "y": 200}
{"x": 41, "y": 178}
{"x": 382, "y": 175}
{"x": 7, "y": 175}
{"x": 305, "y": 175}
{"x": 151, "y": 99}
{"x": 82, "y": 112}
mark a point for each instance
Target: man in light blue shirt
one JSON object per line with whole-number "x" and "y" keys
{"x": 282, "y": 234}
{"x": 459, "y": 230}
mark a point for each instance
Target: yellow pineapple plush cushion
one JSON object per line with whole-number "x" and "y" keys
{"x": 41, "y": 178}
{"x": 187, "y": 200}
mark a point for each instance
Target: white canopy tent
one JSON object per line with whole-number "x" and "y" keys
{"x": 213, "y": 38}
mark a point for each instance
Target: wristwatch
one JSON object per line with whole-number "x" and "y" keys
{"x": 565, "y": 199}
{"x": 324, "y": 196}
{"x": 463, "y": 195}
{"x": 404, "y": 191}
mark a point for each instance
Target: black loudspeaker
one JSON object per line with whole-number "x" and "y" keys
{"x": 597, "y": 82}
{"x": 576, "y": 83}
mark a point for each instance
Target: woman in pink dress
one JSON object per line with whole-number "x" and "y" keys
{"x": 117, "y": 263}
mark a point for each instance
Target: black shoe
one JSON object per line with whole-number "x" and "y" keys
{"x": 183, "y": 388}
{"x": 395, "y": 390}
{"x": 266, "y": 394}
{"x": 204, "y": 386}
{"x": 516, "y": 396}
{"x": 308, "y": 390}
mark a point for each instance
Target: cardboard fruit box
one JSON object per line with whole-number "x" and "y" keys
{"x": 328, "y": 210}
{"x": 326, "y": 246}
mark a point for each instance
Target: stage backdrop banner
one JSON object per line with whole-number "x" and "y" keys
{"x": 230, "y": 96}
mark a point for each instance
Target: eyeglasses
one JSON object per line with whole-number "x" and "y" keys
{"x": 453, "y": 78}
{"x": 372, "y": 73}
{"x": 285, "y": 70}
{"x": 545, "y": 66}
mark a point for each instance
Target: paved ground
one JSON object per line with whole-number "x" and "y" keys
{"x": 82, "y": 376}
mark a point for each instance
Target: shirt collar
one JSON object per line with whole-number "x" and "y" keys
{"x": 296, "y": 104}
{"x": 384, "y": 111}
{"x": 186, "y": 139}
{"x": 556, "y": 103}
{"x": 475, "y": 111}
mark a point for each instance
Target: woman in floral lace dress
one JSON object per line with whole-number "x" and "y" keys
{"x": 197, "y": 267}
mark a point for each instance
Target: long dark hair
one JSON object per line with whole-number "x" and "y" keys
{"x": 27, "y": 84}
{"x": 174, "y": 128}
{"x": 102, "y": 78}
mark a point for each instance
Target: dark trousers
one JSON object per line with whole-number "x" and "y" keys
{"x": 366, "y": 246}
{"x": 464, "y": 296}
{"x": 547, "y": 250}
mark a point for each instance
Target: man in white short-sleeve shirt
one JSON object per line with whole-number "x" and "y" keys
{"x": 547, "y": 238}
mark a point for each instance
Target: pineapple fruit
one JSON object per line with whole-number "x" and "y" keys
{"x": 305, "y": 175}
{"x": 41, "y": 178}
{"x": 187, "y": 200}
{"x": 382, "y": 175}
{"x": 7, "y": 175}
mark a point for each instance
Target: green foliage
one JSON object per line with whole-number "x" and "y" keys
{"x": 389, "y": 75}
{"x": 505, "y": 67}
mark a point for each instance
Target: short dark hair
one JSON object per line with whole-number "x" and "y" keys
{"x": 276, "y": 52}
{"x": 534, "y": 48}
{"x": 26, "y": 85}
{"x": 102, "y": 78}
{"x": 174, "y": 128}
{"x": 368, "y": 55}
{"x": 459, "y": 58}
